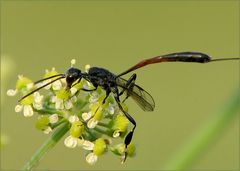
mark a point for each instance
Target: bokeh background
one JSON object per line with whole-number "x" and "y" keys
{"x": 36, "y": 35}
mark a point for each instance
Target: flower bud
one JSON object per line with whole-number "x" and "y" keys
{"x": 110, "y": 99}
{"x": 76, "y": 129}
{"x": 22, "y": 83}
{"x": 94, "y": 107}
{"x": 50, "y": 73}
{"x": 27, "y": 100}
{"x": 120, "y": 124}
{"x": 99, "y": 147}
{"x": 98, "y": 114}
{"x": 79, "y": 85}
{"x": 131, "y": 149}
{"x": 119, "y": 149}
{"x": 63, "y": 94}
{"x": 42, "y": 122}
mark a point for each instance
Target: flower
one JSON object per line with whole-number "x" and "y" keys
{"x": 37, "y": 103}
{"x": 87, "y": 115}
{"x": 47, "y": 130}
{"x": 99, "y": 149}
{"x": 87, "y": 67}
{"x": 57, "y": 85}
{"x": 53, "y": 118}
{"x": 91, "y": 158}
{"x": 120, "y": 150}
{"x": 111, "y": 108}
{"x": 87, "y": 145}
{"x": 12, "y": 92}
{"x": 58, "y": 102}
{"x": 71, "y": 142}
{"x": 68, "y": 104}
{"x": 73, "y": 118}
{"x": 73, "y": 62}
{"x": 93, "y": 97}
{"x": 18, "y": 108}
{"x": 96, "y": 118}
{"x": 92, "y": 124}
{"x": 23, "y": 86}
{"x": 120, "y": 125}
{"x": 27, "y": 110}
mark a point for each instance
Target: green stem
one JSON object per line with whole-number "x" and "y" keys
{"x": 103, "y": 131}
{"x": 53, "y": 126}
{"x": 203, "y": 139}
{"x": 49, "y": 143}
{"x": 103, "y": 124}
{"x": 48, "y": 111}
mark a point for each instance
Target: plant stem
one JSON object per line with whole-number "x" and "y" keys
{"x": 211, "y": 130}
{"x": 49, "y": 143}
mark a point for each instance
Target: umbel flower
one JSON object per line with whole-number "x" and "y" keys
{"x": 93, "y": 126}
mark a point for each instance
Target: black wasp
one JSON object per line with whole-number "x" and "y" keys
{"x": 111, "y": 82}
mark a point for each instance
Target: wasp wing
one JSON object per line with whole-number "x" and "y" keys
{"x": 139, "y": 95}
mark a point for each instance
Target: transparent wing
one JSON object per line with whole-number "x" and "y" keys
{"x": 139, "y": 95}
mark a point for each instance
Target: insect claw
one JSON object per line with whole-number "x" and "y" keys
{"x": 125, "y": 156}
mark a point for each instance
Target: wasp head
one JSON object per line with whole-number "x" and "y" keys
{"x": 72, "y": 75}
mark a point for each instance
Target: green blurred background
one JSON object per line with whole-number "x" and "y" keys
{"x": 36, "y": 35}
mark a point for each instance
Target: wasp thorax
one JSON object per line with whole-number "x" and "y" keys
{"x": 72, "y": 75}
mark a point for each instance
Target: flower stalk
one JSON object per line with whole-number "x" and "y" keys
{"x": 47, "y": 145}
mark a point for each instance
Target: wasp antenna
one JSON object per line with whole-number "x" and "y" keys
{"x": 40, "y": 88}
{"x": 49, "y": 78}
{"x": 223, "y": 59}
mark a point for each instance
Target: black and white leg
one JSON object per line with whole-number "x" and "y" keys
{"x": 129, "y": 136}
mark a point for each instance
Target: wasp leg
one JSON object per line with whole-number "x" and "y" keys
{"x": 95, "y": 88}
{"x": 88, "y": 90}
{"x": 129, "y": 136}
{"x": 130, "y": 82}
{"x": 107, "y": 94}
